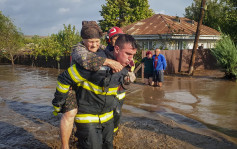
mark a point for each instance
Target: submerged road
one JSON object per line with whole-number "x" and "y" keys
{"x": 26, "y": 94}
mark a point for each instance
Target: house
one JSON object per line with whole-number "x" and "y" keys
{"x": 170, "y": 32}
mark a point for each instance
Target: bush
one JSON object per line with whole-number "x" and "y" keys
{"x": 226, "y": 56}
{"x": 56, "y": 45}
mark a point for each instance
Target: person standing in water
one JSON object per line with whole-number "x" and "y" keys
{"x": 159, "y": 66}
{"x": 148, "y": 68}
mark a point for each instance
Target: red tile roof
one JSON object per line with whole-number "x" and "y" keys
{"x": 164, "y": 24}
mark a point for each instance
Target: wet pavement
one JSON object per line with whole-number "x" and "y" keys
{"x": 196, "y": 102}
{"x": 26, "y": 94}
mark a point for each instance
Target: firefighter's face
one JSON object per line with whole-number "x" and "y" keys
{"x": 92, "y": 44}
{"x": 125, "y": 54}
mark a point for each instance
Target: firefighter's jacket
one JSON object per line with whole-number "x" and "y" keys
{"x": 95, "y": 91}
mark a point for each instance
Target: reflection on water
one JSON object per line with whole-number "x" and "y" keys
{"x": 190, "y": 101}
{"x": 27, "y": 84}
{"x": 210, "y": 103}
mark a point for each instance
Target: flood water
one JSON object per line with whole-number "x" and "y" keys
{"x": 196, "y": 102}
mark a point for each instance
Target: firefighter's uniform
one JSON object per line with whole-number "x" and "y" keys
{"x": 118, "y": 108}
{"x": 120, "y": 97}
{"x": 96, "y": 97}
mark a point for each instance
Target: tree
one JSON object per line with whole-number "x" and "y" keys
{"x": 67, "y": 38}
{"x": 47, "y": 47}
{"x": 11, "y": 40}
{"x": 191, "y": 66}
{"x": 56, "y": 45}
{"x": 231, "y": 20}
{"x": 219, "y": 14}
{"x": 123, "y": 12}
{"x": 232, "y": 2}
{"x": 140, "y": 10}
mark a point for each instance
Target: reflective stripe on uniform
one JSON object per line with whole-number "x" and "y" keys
{"x": 90, "y": 118}
{"x": 57, "y": 109}
{"x": 132, "y": 68}
{"x": 121, "y": 96}
{"x": 62, "y": 87}
{"x": 77, "y": 78}
{"x": 75, "y": 75}
{"x": 115, "y": 129}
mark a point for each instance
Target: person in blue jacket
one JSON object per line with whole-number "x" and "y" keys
{"x": 159, "y": 65}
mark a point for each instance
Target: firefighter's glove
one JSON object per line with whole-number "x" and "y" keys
{"x": 118, "y": 110}
{"x": 129, "y": 78}
{"x": 56, "y": 110}
{"x": 132, "y": 76}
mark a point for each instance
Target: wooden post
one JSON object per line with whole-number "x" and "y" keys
{"x": 192, "y": 62}
{"x": 180, "y": 59}
{"x": 143, "y": 53}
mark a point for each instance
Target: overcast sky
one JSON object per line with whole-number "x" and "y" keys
{"x": 44, "y": 17}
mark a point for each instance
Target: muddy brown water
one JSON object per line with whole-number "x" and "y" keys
{"x": 26, "y": 119}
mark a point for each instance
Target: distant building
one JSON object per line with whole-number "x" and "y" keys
{"x": 170, "y": 32}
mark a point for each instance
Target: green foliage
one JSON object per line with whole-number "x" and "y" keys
{"x": 11, "y": 40}
{"x": 219, "y": 13}
{"x": 48, "y": 47}
{"x": 67, "y": 38}
{"x": 226, "y": 55}
{"x": 123, "y": 12}
{"x": 56, "y": 45}
{"x": 140, "y": 10}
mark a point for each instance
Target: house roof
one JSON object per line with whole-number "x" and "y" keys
{"x": 160, "y": 24}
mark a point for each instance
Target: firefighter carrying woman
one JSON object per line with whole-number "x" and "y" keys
{"x": 97, "y": 77}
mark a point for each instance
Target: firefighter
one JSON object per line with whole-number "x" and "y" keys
{"x": 112, "y": 36}
{"x": 83, "y": 54}
{"x": 96, "y": 93}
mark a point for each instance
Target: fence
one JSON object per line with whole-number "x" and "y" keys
{"x": 177, "y": 61}
{"x": 41, "y": 61}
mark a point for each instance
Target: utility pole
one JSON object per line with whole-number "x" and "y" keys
{"x": 191, "y": 65}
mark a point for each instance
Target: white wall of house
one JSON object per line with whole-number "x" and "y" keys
{"x": 207, "y": 44}
{"x": 174, "y": 44}
{"x": 170, "y": 45}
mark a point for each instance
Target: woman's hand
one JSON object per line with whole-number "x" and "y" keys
{"x": 114, "y": 65}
